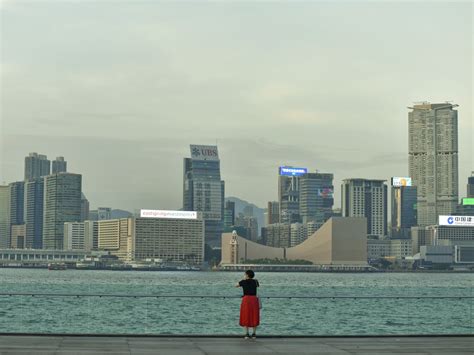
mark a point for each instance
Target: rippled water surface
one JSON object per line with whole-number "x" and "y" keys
{"x": 175, "y": 315}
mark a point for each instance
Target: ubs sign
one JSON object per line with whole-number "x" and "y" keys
{"x": 204, "y": 152}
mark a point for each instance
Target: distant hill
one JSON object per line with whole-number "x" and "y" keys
{"x": 115, "y": 214}
{"x": 240, "y": 204}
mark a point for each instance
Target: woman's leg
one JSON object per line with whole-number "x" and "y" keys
{"x": 254, "y": 333}
{"x": 246, "y": 331}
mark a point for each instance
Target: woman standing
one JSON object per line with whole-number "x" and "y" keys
{"x": 249, "y": 308}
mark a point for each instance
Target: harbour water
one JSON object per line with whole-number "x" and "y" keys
{"x": 426, "y": 313}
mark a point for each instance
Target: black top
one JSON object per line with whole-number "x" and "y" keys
{"x": 249, "y": 286}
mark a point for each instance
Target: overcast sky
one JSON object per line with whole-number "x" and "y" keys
{"x": 121, "y": 88}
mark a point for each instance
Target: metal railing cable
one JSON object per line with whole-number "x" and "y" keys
{"x": 122, "y": 295}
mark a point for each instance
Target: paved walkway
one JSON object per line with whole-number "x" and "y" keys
{"x": 69, "y": 345}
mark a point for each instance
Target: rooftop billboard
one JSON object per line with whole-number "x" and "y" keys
{"x": 291, "y": 171}
{"x": 457, "y": 221}
{"x": 468, "y": 201}
{"x": 168, "y": 214}
{"x": 204, "y": 152}
{"x": 401, "y": 181}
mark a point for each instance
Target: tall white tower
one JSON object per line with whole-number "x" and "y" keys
{"x": 433, "y": 159}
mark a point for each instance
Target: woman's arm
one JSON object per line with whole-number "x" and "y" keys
{"x": 238, "y": 284}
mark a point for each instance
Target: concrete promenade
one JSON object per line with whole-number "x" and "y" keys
{"x": 95, "y": 345}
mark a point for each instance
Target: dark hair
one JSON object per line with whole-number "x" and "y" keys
{"x": 250, "y": 273}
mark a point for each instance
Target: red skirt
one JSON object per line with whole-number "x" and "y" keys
{"x": 249, "y": 312}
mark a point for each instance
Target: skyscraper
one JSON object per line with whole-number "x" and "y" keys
{"x": 34, "y": 213}
{"x": 229, "y": 214}
{"x": 84, "y": 208}
{"x": 104, "y": 213}
{"x": 289, "y": 193}
{"x": 250, "y": 224}
{"x": 470, "y": 186}
{"x": 62, "y": 203}
{"x": 366, "y": 198}
{"x": 277, "y": 235}
{"x": 466, "y": 207}
{"x": 74, "y": 236}
{"x": 17, "y": 203}
{"x": 433, "y": 159}
{"x": 4, "y": 216}
{"x": 316, "y": 197}
{"x": 203, "y": 190}
{"x": 59, "y": 165}
{"x": 403, "y": 207}
{"x": 91, "y": 235}
{"x": 273, "y": 212}
{"x": 36, "y": 165}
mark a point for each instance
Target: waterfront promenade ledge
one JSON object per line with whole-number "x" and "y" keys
{"x": 232, "y": 345}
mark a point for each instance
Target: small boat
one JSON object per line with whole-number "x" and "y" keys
{"x": 57, "y": 266}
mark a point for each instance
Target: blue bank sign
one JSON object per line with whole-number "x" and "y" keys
{"x": 290, "y": 171}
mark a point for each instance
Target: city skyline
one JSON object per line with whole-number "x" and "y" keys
{"x": 282, "y": 104}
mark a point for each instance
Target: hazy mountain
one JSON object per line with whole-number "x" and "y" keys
{"x": 120, "y": 214}
{"x": 240, "y": 204}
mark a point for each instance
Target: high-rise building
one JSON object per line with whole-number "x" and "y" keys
{"x": 91, "y": 235}
{"x": 84, "y": 208}
{"x": 59, "y": 165}
{"x": 4, "y": 216}
{"x": 433, "y": 159}
{"x": 289, "y": 193}
{"x": 250, "y": 224}
{"x": 297, "y": 234}
{"x": 229, "y": 214}
{"x": 466, "y": 207}
{"x": 18, "y": 236}
{"x": 470, "y": 186}
{"x": 277, "y": 235}
{"x": 366, "y": 198}
{"x": 248, "y": 211}
{"x": 316, "y": 197}
{"x": 62, "y": 203}
{"x": 93, "y": 215}
{"x": 34, "y": 213}
{"x": 203, "y": 190}
{"x": 273, "y": 212}
{"x": 36, "y": 165}
{"x": 17, "y": 203}
{"x": 104, "y": 213}
{"x": 403, "y": 207}
{"x": 74, "y": 236}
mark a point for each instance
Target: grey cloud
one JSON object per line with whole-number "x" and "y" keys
{"x": 122, "y": 89}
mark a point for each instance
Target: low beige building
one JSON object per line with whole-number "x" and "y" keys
{"x": 168, "y": 239}
{"x": 401, "y": 248}
{"x": 172, "y": 240}
{"x": 339, "y": 241}
{"x": 115, "y": 236}
{"x": 378, "y": 248}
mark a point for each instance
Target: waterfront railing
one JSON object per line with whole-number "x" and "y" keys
{"x": 199, "y": 314}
